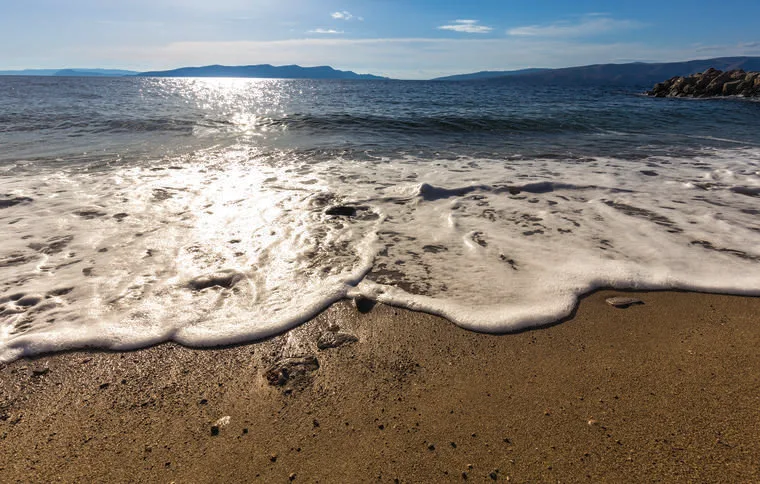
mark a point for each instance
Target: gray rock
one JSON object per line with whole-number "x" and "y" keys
{"x": 623, "y": 302}
{"x": 710, "y": 83}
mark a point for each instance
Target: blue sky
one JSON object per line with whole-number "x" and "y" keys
{"x": 404, "y": 39}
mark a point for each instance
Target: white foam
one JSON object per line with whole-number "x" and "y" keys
{"x": 493, "y": 245}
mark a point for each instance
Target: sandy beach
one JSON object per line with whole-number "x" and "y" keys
{"x": 664, "y": 391}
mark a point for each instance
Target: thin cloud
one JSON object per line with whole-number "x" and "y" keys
{"x": 741, "y": 47}
{"x": 466, "y": 26}
{"x": 345, "y": 15}
{"x": 587, "y": 26}
{"x": 325, "y": 31}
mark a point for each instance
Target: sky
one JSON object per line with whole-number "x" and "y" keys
{"x": 413, "y": 39}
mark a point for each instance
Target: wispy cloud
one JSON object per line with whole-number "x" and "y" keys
{"x": 467, "y": 26}
{"x": 741, "y": 47}
{"x": 587, "y": 26}
{"x": 345, "y": 15}
{"x": 325, "y": 31}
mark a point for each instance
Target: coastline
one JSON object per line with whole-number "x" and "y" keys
{"x": 668, "y": 390}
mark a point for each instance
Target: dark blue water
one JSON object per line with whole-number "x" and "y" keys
{"x": 94, "y": 119}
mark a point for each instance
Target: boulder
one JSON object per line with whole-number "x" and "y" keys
{"x": 711, "y": 83}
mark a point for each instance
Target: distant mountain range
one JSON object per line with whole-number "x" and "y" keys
{"x": 636, "y": 73}
{"x": 70, "y": 72}
{"x": 479, "y": 76}
{"x": 266, "y": 71}
{"x": 633, "y": 74}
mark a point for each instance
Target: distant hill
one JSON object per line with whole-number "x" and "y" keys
{"x": 70, "y": 72}
{"x": 476, "y": 76}
{"x": 637, "y": 73}
{"x": 93, "y": 73}
{"x": 266, "y": 71}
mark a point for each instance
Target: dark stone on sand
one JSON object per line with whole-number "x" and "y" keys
{"x": 331, "y": 339}
{"x": 341, "y": 211}
{"x": 120, "y": 216}
{"x": 225, "y": 278}
{"x": 214, "y": 430}
{"x": 364, "y": 305}
{"x": 11, "y": 201}
{"x": 292, "y": 369}
{"x": 649, "y": 173}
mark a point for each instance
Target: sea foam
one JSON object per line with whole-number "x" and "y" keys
{"x": 236, "y": 244}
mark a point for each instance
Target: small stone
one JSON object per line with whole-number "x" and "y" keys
{"x": 222, "y": 422}
{"x": 103, "y": 386}
{"x": 40, "y": 371}
{"x": 431, "y": 447}
{"x": 273, "y": 457}
{"x": 623, "y": 302}
{"x": 494, "y": 475}
{"x": 292, "y": 476}
{"x": 363, "y": 304}
{"x": 453, "y": 445}
{"x": 464, "y": 476}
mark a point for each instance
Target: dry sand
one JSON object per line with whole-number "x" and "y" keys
{"x": 665, "y": 391}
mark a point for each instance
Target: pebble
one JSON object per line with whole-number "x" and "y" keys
{"x": 623, "y": 302}
{"x": 364, "y": 305}
{"x": 219, "y": 424}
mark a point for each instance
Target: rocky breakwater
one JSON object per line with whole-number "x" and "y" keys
{"x": 711, "y": 83}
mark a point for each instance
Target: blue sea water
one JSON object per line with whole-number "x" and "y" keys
{"x": 493, "y": 204}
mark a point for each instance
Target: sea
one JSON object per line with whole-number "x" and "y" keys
{"x": 209, "y": 212}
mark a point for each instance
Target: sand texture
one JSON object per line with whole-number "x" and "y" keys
{"x": 665, "y": 391}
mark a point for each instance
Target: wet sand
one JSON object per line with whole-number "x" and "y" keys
{"x": 665, "y": 391}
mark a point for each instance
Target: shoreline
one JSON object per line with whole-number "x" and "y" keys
{"x": 668, "y": 390}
